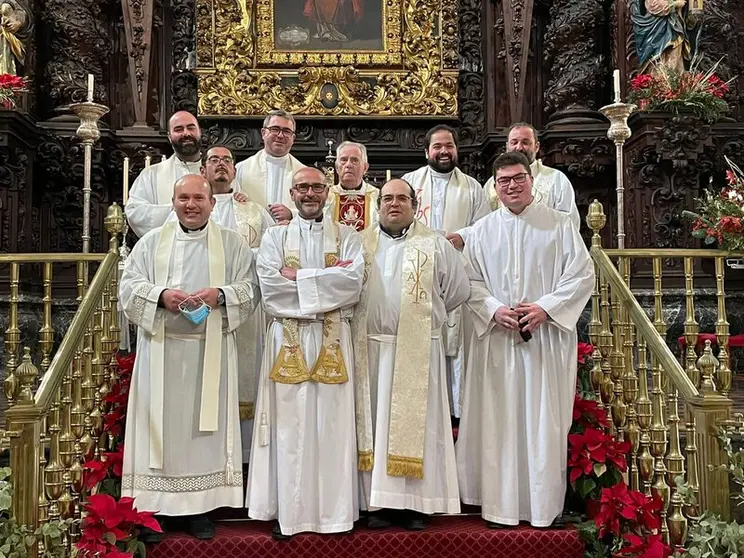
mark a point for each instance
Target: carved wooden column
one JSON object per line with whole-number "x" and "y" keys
{"x": 138, "y": 30}
{"x": 579, "y": 67}
{"x": 517, "y": 30}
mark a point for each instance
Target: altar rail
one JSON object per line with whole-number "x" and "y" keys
{"x": 630, "y": 349}
{"x": 54, "y": 422}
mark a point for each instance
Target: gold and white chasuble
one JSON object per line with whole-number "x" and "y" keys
{"x": 250, "y": 220}
{"x": 303, "y": 467}
{"x": 448, "y": 203}
{"x": 151, "y": 196}
{"x": 518, "y": 396}
{"x": 406, "y": 449}
{"x": 354, "y": 208}
{"x": 266, "y": 179}
{"x": 182, "y": 443}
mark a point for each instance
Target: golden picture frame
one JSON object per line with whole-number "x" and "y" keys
{"x": 389, "y": 59}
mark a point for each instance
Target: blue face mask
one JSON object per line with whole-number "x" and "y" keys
{"x": 197, "y": 313}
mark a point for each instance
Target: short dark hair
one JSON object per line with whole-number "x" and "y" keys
{"x": 523, "y": 125}
{"x": 414, "y": 199}
{"x": 440, "y": 128}
{"x": 511, "y": 158}
{"x": 206, "y": 152}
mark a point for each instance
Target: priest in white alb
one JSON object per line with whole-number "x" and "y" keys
{"x": 149, "y": 204}
{"x": 303, "y": 468}
{"x": 188, "y": 286}
{"x": 531, "y": 278}
{"x": 414, "y": 276}
{"x": 352, "y": 201}
{"x": 266, "y": 177}
{"x": 233, "y": 210}
{"x": 448, "y": 201}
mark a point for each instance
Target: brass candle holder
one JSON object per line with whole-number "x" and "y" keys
{"x": 89, "y": 113}
{"x": 619, "y": 132}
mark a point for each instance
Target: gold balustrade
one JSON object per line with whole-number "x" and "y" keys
{"x": 54, "y": 421}
{"x": 642, "y": 384}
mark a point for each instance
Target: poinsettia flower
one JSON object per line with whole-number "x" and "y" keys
{"x": 588, "y": 414}
{"x": 641, "y": 81}
{"x": 651, "y": 546}
{"x": 584, "y": 350}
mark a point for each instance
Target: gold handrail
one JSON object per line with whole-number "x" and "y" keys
{"x": 642, "y": 323}
{"x": 50, "y": 258}
{"x": 73, "y": 336}
{"x": 671, "y": 253}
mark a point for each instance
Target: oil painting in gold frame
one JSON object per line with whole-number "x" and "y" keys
{"x": 380, "y": 58}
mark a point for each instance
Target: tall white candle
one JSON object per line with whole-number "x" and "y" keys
{"x": 163, "y": 158}
{"x": 388, "y": 175}
{"x": 616, "y": 80}
{"x": 147, "y": 160}
{"x": 90, "y": 88}
{"x": 125, "y": 178}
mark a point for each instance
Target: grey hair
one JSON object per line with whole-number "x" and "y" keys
{"x": 280, "y": 113}
{"x": 523, "y": 125}
{"x": 361, "y": 147}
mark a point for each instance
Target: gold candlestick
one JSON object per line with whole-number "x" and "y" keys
{"x": 89, "y": 114}
{"x": 619, "y": 132}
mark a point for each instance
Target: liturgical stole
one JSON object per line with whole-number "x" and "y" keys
{"x": 412, "y": 356}
{"x": 353, "y": 208}
{"x": 254, "y": 175}
{"x": 457, "y": 199}
{"x": 212, "y": 364}
{"x": 249, "y": 221}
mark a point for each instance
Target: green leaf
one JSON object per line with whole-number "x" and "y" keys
{"x": 110, "y": 537}
{"x": 600, "y": 469}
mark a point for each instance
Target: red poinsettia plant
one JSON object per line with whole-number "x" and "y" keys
{"x": 10, "y": 87}
{"x": 627, "y": 522}
{"x": 694, "y": 91}
{"x": 110, "y": 526}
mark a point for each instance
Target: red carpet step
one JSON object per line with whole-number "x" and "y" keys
{"x": 446, "y": 537}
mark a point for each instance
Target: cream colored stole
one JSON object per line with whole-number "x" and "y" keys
{"x": 253, "y": 176}
{"x": 290, "y": 366}
{"x": 412, "y": 356}
{"x": 249, "y": 221}
{"x": 541, "y": 185}
{"x": 165, "y": 178}
{"x": 457, "y": 199}
{"x": 212, "y": 364}
{"x": 370, "y": 200}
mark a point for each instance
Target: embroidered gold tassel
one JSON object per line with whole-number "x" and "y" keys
{"x": 263, "y": 432}
{"x": 411, "y": 467}
{"x": 366, "y": 460}
{"x": 246, "y": 410}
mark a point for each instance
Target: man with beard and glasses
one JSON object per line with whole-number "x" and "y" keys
{"x": 448, "y": 201}
{"x": 303, "y": 468}
{"x": 233, "y": 210}
{"x": 266, "y": 177}
{"x": 352, "y": 201}
{"x": 150, "y": 198}
{"x": 551, "y": 186}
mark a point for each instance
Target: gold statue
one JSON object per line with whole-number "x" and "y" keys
{"x": 12, "y": 20}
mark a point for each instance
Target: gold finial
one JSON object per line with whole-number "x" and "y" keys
{"x": 707, "y": 364}
{"x": 114, "y": 221}
{"x": 27, "y": 374}
{"x": 677, "y": 522}
{"x": 596, "y": 220}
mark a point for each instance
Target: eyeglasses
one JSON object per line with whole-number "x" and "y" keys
{"x": 387, "y": 199}
{"x": 214, "y": 159}
{"x": 279, "y": 131}
{"x": 519, "y": 179}
{"x": 304, "y": 188}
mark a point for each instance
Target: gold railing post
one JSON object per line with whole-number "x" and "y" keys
{"x": 722, "y": 333}
{"x": 12, "y": 338}
{"x": 692, "y": 468}
{"x": 707, "y": 410}
{"x": 630, "y": 386}
{"x": 691, "y": 326}
{"x": 596, "y": 220}
{"x": 617, "y": 367}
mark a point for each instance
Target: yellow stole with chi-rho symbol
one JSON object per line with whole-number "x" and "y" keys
{"x": 412, "y": 355}
{"x": 290, "y": 366}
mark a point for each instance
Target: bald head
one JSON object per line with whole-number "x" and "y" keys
{"x": 193, "y": 201}
{"x": 397, "y": 203}
{"x": 184, "y": 135}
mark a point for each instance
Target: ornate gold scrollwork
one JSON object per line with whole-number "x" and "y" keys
{"x": 241, "y": 73}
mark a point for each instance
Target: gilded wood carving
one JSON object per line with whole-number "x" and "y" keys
{"x": 378, "y": 58}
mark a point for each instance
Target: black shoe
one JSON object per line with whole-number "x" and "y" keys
{"x": 558, "y": 523}
{"x": 494, "y": 525}
{"x": 201, "y": 527}
{"x": 277, "y": 535}
{"x": 415, "y": 521}
{"x": 148, "y": 536}
{"x": 378, "y": 520}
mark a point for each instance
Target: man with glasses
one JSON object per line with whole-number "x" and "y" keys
{"x": 233, "y": 210}
{"x": 303, "y": 468}
{"x": 404, "y": 434}
{"x": 448, "y": 201}
{"x": 531, "y": 278}
{"x": 266, "y": 177}
{"x": 352, "y": 201}
{"x": 150, "y": 204}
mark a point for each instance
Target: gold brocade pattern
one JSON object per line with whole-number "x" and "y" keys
{"x": 247, "y": 410}
{"x": 329, "y": 368}
{"x": 248, "y": 221}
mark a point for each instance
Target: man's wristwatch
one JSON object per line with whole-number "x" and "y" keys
{"x": 220, "y": 297}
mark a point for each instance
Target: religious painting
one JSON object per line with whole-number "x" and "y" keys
{"x": 327, "y": 57}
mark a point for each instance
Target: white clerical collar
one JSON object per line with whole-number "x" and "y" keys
{"x": 187, "y": 164}
{"x": 182, "y": 233}
{"x": 440, "y": 175}
{"x": 311, "y": 224}
{"x": 399, "y": 236}
{"x": 222, "y": 197}
{"x": 356, "y": 190}
{"x": 277, "y": 161}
